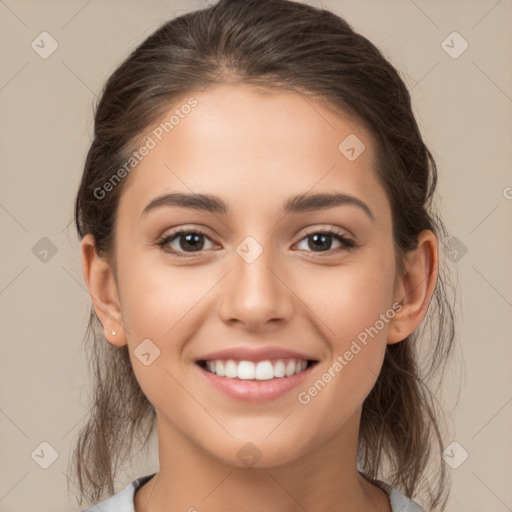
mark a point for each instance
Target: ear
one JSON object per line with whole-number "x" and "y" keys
{"x": 102, "y": 287}
{"x": 415, "y": 288}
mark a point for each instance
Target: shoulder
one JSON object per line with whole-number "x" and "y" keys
{"x": 399, "y": 502}
{"x": 123, "y": 500}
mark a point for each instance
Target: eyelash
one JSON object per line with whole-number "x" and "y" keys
{"x": 164, "y": 241}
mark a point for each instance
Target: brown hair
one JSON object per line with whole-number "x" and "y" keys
{"x": 311, "y": 51}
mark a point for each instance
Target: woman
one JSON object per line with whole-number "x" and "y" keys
{"x": 260, "y": 246}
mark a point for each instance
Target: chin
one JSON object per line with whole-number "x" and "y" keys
{"x": 257, "y": 452}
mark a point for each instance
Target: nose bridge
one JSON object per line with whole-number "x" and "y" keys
{"x": 254, "y": 292}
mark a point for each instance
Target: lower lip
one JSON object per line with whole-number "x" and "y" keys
{"x": 255, "y": 390}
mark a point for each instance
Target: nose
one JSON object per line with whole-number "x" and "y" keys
{"x": 256, "y": 295}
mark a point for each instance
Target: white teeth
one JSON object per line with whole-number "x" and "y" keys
{"x": 290, "y": 368}
{"x": 279, "y": 369}
{"x": 219, "y": 368}
{"x": 246, "y": 370}
{"x": 231, "y": 369}
{"x": 263, "y": 370}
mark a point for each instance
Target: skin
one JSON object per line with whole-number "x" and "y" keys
{"x": 243, "y": 144}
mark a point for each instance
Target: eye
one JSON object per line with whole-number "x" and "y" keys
{"x": 192, "y": 241}
{"x": 188, "y": 241}
{"x": 321, "y": 240}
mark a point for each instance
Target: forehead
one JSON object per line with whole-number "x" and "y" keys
{"x": 254, "y": 146}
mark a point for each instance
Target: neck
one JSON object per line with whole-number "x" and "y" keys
{"x": 324, "y": 478}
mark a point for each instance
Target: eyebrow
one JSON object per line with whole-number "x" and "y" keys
{"x": 297, "y": 204}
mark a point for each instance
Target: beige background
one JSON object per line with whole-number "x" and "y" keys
{"x": 463, "y": 106}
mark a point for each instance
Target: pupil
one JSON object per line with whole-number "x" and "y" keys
{"x": 322, "y": 238}
{"x": 191, "y": 240}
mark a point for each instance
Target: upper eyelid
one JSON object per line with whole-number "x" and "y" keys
{"x": 308, "y": 230}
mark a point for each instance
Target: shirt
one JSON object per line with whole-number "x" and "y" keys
{"x": 123, "y": 500}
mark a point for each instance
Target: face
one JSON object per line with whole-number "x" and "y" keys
{"x": 314, "y": 282}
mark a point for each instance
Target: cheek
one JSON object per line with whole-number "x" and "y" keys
{"x": 353, "y": 298}
{"x": 356, "y": 344}
{"x": 156, "y": 303}
{"x": 156, "y": 297}
{"x": 162, "y": 308}
{"x": 355, "y": 309}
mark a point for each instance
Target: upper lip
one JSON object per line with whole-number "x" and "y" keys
{"x": 252, "y": 354}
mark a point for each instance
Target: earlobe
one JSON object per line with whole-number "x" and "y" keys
{"x": 416, "y": 287}
{"x": 102, "y": 288}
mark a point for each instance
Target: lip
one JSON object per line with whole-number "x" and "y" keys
{"x": 254, "y": 390}
{"x": 255, "y": 355}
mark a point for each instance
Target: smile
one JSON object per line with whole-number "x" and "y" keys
{"x": 262, "y": 370}
{"x": 254, "y": 381}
